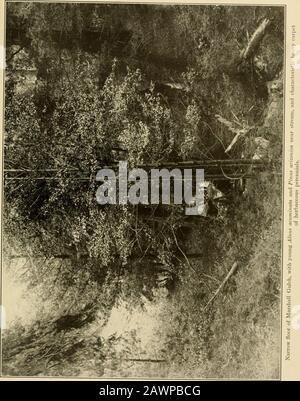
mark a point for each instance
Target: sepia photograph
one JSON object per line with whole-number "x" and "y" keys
{"x": 143, "y": 155}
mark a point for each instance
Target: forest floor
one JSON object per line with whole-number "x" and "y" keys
{"x": 238, "y": 334}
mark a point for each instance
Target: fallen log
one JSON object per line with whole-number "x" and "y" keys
{"x": 255, "y": 40}
{"x": 230, "y": 273}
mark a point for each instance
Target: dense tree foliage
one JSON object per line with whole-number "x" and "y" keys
{"x": 88, "y": 85}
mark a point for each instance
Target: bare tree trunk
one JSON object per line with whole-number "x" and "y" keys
{"x": 255, "y": 40}
{"x": 145, "y": 360}
{"x": 230, "y": 273}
